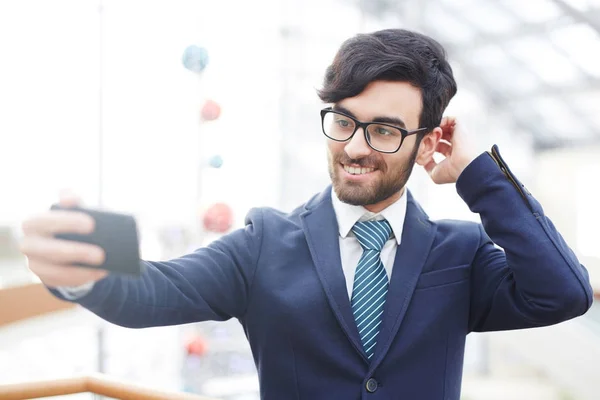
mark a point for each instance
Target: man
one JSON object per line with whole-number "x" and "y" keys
{"x": 356, "y": 294}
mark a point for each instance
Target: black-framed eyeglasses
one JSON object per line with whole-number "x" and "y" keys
{"x": 382, "y": 137}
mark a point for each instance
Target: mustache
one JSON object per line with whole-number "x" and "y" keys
{"x": 366, "y": 162}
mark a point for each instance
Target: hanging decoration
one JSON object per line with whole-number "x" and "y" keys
{"x": 211, "y": 111}
{"x": 195, "y": 58}
{"x": 216, "y": 161}
{"x": 218, "y": 218}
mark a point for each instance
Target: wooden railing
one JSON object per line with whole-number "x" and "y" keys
{"x": 20, "y": 303}
{"x": 97, "y": 384}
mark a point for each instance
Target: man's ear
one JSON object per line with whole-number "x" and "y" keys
{"x": 428, "y": 146}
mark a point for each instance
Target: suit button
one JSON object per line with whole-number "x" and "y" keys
{"x": 371, "y": 385}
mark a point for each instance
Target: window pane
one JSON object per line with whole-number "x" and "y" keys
{"x": 489, "y": 18}
{"x": 546, "y": 62}
{"x": 582, "y": 44}
{"x": 533, "y": 11}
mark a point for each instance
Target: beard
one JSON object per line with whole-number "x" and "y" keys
{"x": 390, "y": 181}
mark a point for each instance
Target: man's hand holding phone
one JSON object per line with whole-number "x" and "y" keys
{"x": 69, "y": 246}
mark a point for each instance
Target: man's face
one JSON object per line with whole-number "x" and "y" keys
{"x": 361, "y": 175}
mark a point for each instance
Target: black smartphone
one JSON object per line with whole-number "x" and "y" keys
{"x": 116, "y": 234}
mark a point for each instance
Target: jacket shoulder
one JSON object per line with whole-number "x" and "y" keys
{"x": 458, "y": 230}
{"x": 273, "y": 215}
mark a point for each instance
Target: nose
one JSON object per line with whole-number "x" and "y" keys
{"x": 358, "y": 147}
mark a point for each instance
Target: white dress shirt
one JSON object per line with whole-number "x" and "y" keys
{"x": 350, "y": 250}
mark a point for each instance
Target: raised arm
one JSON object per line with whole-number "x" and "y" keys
{"x": 536, "y": 279}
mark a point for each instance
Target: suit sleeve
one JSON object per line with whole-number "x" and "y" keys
{"x": 212, "y": 283}
{"x": 534, "y": 279}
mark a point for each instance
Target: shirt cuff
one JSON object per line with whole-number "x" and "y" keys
{"x": 75, "y": 292}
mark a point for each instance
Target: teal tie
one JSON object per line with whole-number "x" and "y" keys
{"x": 370, "y": 282}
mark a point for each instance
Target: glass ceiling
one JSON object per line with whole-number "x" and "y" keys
{"x": 539, "y": 60}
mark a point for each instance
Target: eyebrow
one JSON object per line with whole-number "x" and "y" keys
{"x": 383, "y": 119}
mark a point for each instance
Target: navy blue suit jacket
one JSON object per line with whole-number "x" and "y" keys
{"x": 281, "y": 277}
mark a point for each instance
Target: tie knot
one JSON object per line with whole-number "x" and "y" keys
{"x": 372, "y": 235}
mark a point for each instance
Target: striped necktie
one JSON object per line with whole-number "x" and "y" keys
{"x": 370, "y": 281}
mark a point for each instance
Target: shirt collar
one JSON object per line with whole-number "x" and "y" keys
{"x": 347, "y": 215}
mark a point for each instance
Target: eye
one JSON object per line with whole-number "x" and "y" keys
{"x": 344, "y": 123}
{"x": 383, "y": 131}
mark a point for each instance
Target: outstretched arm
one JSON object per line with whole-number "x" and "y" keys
{"x": 212, "y": 283}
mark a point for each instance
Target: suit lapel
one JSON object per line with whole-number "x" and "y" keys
{"x": 417, "y": 238}
{"x": 322, "y": 235}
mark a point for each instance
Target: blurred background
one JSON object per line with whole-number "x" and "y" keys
{"x": 187, "y": 113}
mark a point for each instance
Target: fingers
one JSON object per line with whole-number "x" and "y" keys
{"x": 61, "y": 252}
{"x": 448, "y": 121}
{"x": 53, "y": 260}
{"x": 68, "y": 198}
{"x": 430, "y": 166}
{"x": 58, "y": 221}
{"x": 448, "y": 133}
{"x": 448, "y": 126}
{"x": 54, "y": 275}
{"x": 438, "y": 172}
{"x": 444, "y": 148}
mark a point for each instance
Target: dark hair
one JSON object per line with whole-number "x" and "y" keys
{"x": 393, "y": 55}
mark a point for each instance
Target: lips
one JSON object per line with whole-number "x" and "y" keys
{"x": 357, "y": 170}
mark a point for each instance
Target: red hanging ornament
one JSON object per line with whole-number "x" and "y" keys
{"x": 196, "y": 346}
{"x": 218, "y": 218}
{"x": 211, "y": 110}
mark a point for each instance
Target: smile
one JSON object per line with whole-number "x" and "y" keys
{"x": 357, "y": 170}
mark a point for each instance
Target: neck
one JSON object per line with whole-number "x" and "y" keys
{"x": 382, "y": 205}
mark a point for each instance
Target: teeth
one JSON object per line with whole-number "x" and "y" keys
{"x": 357, "y": 170}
